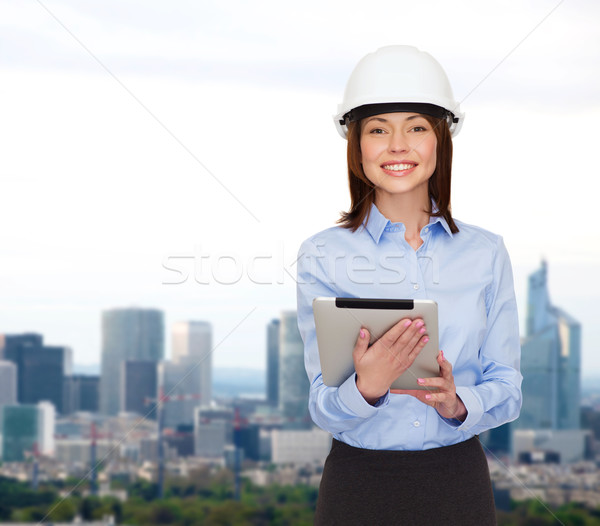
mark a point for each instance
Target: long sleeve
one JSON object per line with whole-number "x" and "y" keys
{"x": 468, "y": 274}
{"x": 334, "y": 409}
{"x": 497, "y": 398}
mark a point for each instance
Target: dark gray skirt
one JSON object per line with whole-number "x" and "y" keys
{"x": 442, "y": 486}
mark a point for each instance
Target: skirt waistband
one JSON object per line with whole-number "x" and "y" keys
{"x": 458, "y": 449}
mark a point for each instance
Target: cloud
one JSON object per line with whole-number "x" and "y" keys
{"x": 97, "y": 192}
{"x": 536, "y": 54}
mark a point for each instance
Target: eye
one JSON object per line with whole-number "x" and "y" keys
{"x": 377, "y": 131}
{"x": 419, "y": 129}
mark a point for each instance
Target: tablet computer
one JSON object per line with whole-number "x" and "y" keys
{"x": 339, "y": 320}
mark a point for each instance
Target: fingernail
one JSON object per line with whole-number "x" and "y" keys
{"x": 428, "y": 397}
{"x": 407, "y": 323}
{"x": 362, "y": 333}
{"x": 426, "y": 339}
{"x": 419, "y": 324}
{"x": 420, "y": 381}
{"x": 423, "y": 330}
{"x": 443, "y": 357}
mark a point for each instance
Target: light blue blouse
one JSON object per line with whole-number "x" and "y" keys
{"x": 470, "y": 277}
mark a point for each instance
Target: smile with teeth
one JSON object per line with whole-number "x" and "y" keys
{"x": 399, "y": 167}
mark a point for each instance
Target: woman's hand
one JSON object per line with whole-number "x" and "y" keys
{"x": 442, "y": 395}
{"x": 380, "y": 364}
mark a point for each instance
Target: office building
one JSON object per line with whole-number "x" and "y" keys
{"x": 8, "y": 383}
{"x": 213, "y": 431}
{"x": 127, "y": 334}
{"x": 181, "y": 443}
{"x": 139, "y": 387}
{"x": 77, "y": 451}
{"x": 27, "y": 430}
{"x": 293, "y": 381}
{"x": 41, "y": 369}
{"x": 82, "y": 393}
{"x": 273, "y": 330}
{"x": 46, "y": 427}
{"x": 247, "y": 438}
{"x": 498, "y": 440}
{"x": 12, "y": 344}
{"x": 550, "y": 362}
{"x": 563, "y": 446}
{"x": 19, "y": 432}
{"x": 191, "y": 339}
{"x": 192, "y": 348}
{"x": 300, "y": 446}
{"x": 180, "y": 384}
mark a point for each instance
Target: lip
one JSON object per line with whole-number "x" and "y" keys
{"x": 398, "y": 173}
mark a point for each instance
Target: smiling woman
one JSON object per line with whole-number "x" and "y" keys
{"x": 431, "y": 130}
{"x": 396, "y": 451}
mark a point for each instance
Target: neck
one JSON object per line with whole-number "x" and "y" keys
{"x": 406, "y": 209}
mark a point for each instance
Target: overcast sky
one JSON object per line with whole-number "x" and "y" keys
{"x": 142, "y": 142}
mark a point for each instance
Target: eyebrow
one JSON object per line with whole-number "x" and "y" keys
{"x": 380, "y": 119}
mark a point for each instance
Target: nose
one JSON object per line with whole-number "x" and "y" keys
{"x": 398, "y": 142}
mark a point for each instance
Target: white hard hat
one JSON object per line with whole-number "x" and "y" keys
{"x": 398, "y": 78}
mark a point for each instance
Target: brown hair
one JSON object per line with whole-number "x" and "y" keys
{"x": 362, "y": 193}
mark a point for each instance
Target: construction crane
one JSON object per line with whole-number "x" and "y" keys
{"x": 238, "y": 424}
{"x": 36, "y": 469}
{"x": 160, "y": 401}
{"x": 93, "y": 474}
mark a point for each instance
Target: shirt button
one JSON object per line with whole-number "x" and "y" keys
{"x": 416, "y": 286}
{"x": 416, "y": 423}
{"x": 426, "y": 230}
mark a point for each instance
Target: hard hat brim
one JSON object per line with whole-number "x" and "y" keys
{"x": 368, "y": 110}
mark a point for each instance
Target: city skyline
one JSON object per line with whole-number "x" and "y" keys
{"x": 118, "y": 135}
{"x": 237, "y": 426}
{"x": 262, "y": 364}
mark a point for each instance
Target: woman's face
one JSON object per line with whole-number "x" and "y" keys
{"x": 398, "y": 152}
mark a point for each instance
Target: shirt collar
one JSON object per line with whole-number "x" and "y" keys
{"x": 442, "y": 221}
{"x": 377, "y": 222}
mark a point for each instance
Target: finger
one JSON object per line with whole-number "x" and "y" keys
{"x": 440, "y": 398}
{"x": 445, "y": 365}
{"x": 411, "y": 392}
{"x": 419, "y": 394}
{"x": 362, "y": 343}
{"x": 411, "y": 336}
{"x": 392, "y": 335}
{"x": 436, "y": 398}
{"x": 436, "y": 382}
{"x": 417, "y": 340}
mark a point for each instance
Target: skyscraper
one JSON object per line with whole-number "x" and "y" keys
{"x": 82, "y": 393}
{"x": 40, "y": 369}
{"x": 192, "y": 348}
{"x": 177, "y": 380}
{"x": 139, "y": 386}
{"x": 550, "y": 362}
{"x": 293, "y": 382}
{"x": 8, "y": 383}
{"x": 187, "y": 378}
{"x": 127, "y": 334}
{"x": 273, "y": 362}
